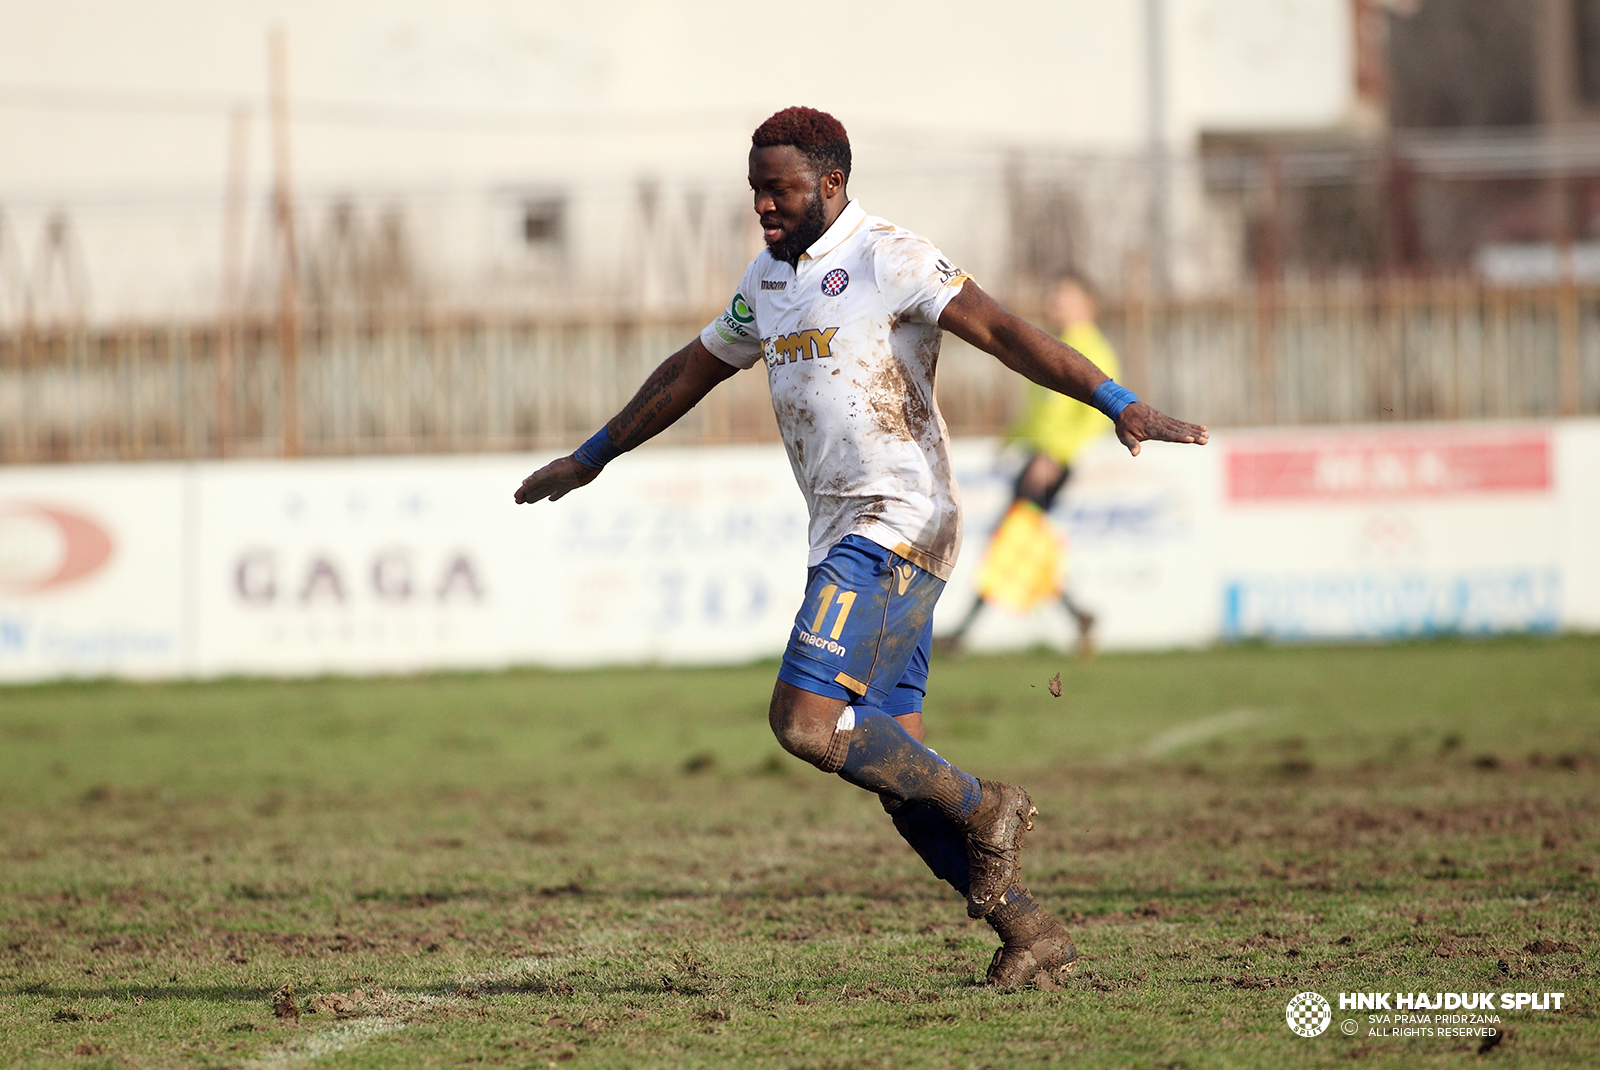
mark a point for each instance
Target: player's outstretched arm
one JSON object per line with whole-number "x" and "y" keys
{"x": 672, "y": 390}
{"x": 975, "y": 317}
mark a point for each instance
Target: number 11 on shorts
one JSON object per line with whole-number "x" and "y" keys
{"x": 826, "y": 602}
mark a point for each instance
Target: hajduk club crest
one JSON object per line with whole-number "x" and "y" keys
{"x": 1309, "y": 1014}
{"x": 834, "y": 282}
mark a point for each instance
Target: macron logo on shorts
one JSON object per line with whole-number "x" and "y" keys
{"x": 904, "y": 573}
{"x": 822, "y": 644}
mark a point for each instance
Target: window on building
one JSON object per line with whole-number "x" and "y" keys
{"x": 1586, "y": 15}
{"x": 1455, "y": 63}
{"x": 541, "y": 222}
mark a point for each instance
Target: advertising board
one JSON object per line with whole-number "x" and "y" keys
{"x": 697, "y": 556}
{"x": 377, "y": 564}
{"x": 1577, "y": 474}
{"x": 390, "y": 564}
{"x": 1390, "y": 532}
{"x": 92, "y": 572}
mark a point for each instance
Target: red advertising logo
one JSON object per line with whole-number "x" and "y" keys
{"x": 1390, "y": 465}
{"x": 42, "y": 547}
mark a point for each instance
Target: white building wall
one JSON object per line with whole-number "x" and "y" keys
{"x": 119, "y": 114}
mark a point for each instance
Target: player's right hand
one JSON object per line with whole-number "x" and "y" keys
{"x": 555, "y": 479}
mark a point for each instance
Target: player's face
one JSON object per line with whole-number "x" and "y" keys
{"x": 790, "y": 197}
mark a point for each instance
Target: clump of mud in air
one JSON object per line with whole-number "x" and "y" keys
{"x": 1055, "y": 685}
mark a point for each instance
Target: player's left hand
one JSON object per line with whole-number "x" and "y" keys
{"x": 1140, "y": 423}
{"x": 554, "y": 480}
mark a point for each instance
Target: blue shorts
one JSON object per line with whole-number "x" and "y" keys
{"x": 864, "y": 631}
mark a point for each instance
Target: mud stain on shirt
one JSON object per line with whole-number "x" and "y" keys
{"x": 898, "y": 406}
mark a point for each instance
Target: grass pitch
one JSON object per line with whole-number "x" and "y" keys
{"x": 620, "y": 869}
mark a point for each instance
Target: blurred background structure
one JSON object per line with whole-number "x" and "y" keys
{"x": 282, "y": 228}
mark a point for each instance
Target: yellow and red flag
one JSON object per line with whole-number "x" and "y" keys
{"x": 1025, "y": 560}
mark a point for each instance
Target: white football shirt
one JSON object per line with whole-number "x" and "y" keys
{"x": 851, "y": 342}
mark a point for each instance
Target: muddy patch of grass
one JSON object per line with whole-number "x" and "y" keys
{"x": 332, "y": 892}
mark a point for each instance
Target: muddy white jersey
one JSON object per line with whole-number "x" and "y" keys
{"x": 850, "y": 337}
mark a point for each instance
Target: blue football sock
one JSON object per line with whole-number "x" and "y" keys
{"x": 942, "y": 846}
{"x": 938, "y": 842}
{"x": 871, "y": 750}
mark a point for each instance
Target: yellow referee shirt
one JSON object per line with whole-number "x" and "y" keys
{"x": 1056, "y": 425}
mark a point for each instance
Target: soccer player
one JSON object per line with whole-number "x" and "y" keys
{"x": 847, "y": 311}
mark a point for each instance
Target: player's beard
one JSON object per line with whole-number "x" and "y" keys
{"x": 812, "y": 227}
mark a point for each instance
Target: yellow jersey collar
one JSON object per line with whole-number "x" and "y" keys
{"x": 848, "y": 222}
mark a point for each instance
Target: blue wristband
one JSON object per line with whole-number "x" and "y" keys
{"x": 598, "y": 452}
{"x": 1111, "y": 399}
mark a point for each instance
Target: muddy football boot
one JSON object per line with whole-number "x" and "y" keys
{"x": 1038, "y": 952}
{"x": 994, "y": 844}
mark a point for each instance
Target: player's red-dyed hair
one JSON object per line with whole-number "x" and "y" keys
{"x": 819, "y": 137}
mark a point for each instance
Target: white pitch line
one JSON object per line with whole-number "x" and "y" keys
{"x": 354, "y": 1033}
{"x": 1194, "y": 731}
{"x": 516, "y": 967}
{"x": 339, "y": 1038}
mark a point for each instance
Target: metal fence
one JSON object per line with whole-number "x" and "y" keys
{"x": 1357, "y": 352}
